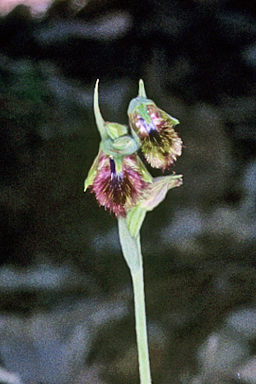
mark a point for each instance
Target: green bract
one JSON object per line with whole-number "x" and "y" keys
{"x": 92, "y": 173}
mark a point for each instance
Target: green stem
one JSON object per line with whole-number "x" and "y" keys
{"x": 141, "y": 327}
{"x": 132, "y": 253}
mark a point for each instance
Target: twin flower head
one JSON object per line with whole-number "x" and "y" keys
{"x": 118, "y": 176}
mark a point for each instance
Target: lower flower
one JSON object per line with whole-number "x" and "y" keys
{"x": 118, "y": 189}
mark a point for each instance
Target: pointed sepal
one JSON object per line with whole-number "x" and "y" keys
{"x": 156, "y": 192}
{"x": 152, "y": 196}
{"x": 98, "y": 117}
{"x": 116, "y": 130}
{"x": 92, "y": 173}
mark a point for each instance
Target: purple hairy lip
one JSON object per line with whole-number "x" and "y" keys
{"x": 118, "y": 192}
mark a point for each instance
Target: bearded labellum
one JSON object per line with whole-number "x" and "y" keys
{"x": 153, "y": 129}
{"x": 118, "y": 183}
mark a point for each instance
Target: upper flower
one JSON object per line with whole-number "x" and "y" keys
{"x": 153, "y": 129}
{"x": 117, "y": 176}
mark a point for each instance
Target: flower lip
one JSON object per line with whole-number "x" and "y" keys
{"x": 160, "y": 143}
{"x": 153, "y": 130}
{"x": 118, "y": 184}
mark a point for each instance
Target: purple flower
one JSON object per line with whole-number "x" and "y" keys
{"x": 153, "y": 128}
{"x": 118, "y": 190}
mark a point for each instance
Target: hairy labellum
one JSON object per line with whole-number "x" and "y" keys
{"x": 160, "y": 143}
{"x": 118, "y": 191}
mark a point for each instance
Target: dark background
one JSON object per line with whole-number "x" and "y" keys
{"x": 65, "y": 292}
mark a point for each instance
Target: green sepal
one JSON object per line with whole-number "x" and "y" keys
{"x": 156, "y": 192}
{"x": 139, "y": 105}
{"x": 139, "y": 102}
{"x": 143, "y": 112}
{"x": 92, "y": 173}
{"x": 108, "y": 149}
{"x": 123, "y": 146}
{"x": 152, "y": 197}
{"x": 134, "y": 220}
{"x": 136, "y": 138}
{"x": 98, "y": 117}
{"x": 116, "y": 130}
{"x": 144, "y": 172}
{"x": 126, "y": 145}
{"x": 168, "y": 118}
{"x": 142, "y": 92}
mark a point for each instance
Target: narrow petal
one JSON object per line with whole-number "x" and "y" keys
{"x": 92, "y": 172}
{"x": 156, "y": 192}
{"x": 151, "y": 197}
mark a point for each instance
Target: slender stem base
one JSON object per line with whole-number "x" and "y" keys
{"x": 141, "y": 326}
{"x": 132, "y": 253}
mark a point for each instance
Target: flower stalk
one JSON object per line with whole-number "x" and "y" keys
{"x": 132, "y": 253}
{"x": 141, "y": 326}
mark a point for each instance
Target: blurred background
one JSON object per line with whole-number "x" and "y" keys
{"x": 66, "y": 302}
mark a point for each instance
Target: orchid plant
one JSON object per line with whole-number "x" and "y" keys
{"x": 124, "y": 186}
